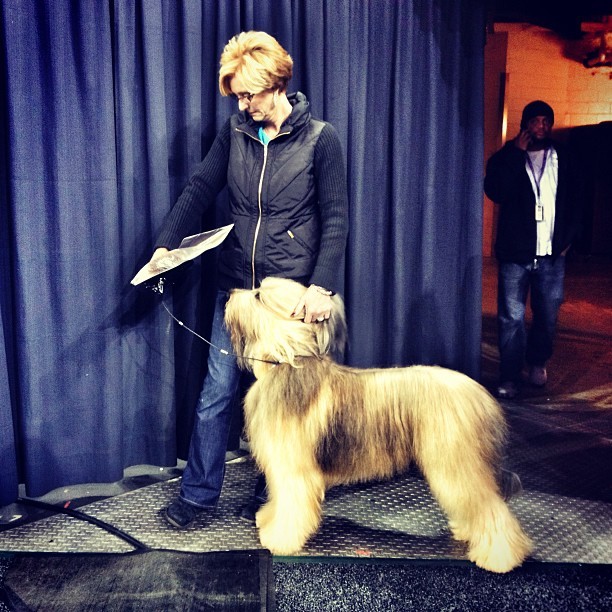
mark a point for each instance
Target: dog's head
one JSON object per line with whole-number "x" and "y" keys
{"x": 261, "y": 325}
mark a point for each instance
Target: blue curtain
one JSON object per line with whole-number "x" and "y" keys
{"x": 107, "y": 106}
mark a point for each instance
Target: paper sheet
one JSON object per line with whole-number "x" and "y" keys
{"x": 190, "y": 248}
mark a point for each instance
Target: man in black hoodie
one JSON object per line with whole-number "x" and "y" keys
{"x": 530, "y": 179}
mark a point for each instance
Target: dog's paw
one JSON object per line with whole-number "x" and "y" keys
{"x": 280, "y": 541}
{"x": 500, "y": 552}
{"x": 460, "y": 533}
{"x": 264, "y": 515}
{"x": 498, "y": 561}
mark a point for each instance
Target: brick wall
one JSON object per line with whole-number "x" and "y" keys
{"x": 538, "y": 68}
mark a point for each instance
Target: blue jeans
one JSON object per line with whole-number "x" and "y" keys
{"x": 205, "y": 469}
{"x": 544, "y": 277}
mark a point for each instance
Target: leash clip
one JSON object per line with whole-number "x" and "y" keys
{"x": 156, "y": 286}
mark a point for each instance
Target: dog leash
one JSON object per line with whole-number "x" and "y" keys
{"x": 158, "y": 287}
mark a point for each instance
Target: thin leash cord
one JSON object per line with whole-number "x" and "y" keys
{"x": 223, "y": 351}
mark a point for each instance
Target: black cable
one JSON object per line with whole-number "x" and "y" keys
{"x": 85, "y": 517}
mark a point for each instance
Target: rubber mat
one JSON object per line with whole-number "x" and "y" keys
{"x": 391, "y": 519}
{"x": 154, "y": 581}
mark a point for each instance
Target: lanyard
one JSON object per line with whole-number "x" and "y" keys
{"x": 537, "y": 179}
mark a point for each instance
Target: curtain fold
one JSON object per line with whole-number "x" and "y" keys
{"x": 8, "y": 401}
{"x": 108, "y": 106}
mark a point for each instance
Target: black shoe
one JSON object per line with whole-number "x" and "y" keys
{"x": 507, "y": 390}
{"x": 181, "y": 514}
{"x": 250, "y": 510}
{"x": 509, "y": 484}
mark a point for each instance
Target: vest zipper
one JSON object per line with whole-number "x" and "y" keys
{"x": 261, "y": 176}
{"x": 260, "y": 212}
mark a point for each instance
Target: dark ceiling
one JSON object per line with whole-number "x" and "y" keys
{"x": 562, "y": 17}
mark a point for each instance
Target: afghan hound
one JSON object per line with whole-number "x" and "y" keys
{"x": 313, "y": 424}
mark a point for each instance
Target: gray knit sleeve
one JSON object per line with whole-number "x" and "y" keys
{"x": 209, "y": 177}
{"x": 330, "y": 176}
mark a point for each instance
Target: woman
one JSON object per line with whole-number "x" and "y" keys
{"x": 288, "y": 202}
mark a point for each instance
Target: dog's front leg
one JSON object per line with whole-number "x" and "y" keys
{"x": 293, "y": 511}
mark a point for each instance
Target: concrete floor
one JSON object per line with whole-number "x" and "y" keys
{"x": 581, "y": 366}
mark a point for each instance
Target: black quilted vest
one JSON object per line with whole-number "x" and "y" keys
{"x": 273, "y": 201}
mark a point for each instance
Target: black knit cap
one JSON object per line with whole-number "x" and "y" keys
{"x": 536, "y": 108}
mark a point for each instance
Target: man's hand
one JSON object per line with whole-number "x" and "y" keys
{"x": 315, "y": 304}
{"x": 523, "y": 140}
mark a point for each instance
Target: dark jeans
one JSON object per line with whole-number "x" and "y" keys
{"x": 203, "y": 475}
{"x": 544, "y": 278}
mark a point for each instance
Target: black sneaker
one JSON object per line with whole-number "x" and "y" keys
{"x": 250, "y": 510}
{"x": 181, "y": 514}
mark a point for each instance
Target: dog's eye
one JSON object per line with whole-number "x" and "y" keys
{"x": 256, "y": 295}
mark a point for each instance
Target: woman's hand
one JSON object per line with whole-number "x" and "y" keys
{"x": 316, "y": 303}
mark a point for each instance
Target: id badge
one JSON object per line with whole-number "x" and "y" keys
{"x": 539, "y": 212}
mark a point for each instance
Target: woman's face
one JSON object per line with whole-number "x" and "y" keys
{"x": 260, "y": 106}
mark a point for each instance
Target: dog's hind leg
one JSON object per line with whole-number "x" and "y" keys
{"x": 496, "y": 541}
{"x": 479, "y": 516}
{"x": 293, "y": 511}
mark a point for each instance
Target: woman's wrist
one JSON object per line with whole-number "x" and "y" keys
{"x": 322, "y": 290}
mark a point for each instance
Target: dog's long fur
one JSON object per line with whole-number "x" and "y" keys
{"x": 313, "y": 424}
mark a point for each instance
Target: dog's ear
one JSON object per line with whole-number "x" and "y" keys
{"x": 280, "y": 295}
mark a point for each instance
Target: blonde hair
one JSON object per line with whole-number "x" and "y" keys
{"x": 258, "y": 59}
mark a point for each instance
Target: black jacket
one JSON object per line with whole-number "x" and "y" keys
{"x": 288, "y": 201}
{"x": 507, "y": 184}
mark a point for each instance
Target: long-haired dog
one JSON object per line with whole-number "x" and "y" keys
{"x": 313, "y": 424}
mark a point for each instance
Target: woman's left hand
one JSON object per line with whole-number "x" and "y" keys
{"x": 315, "y": 305}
